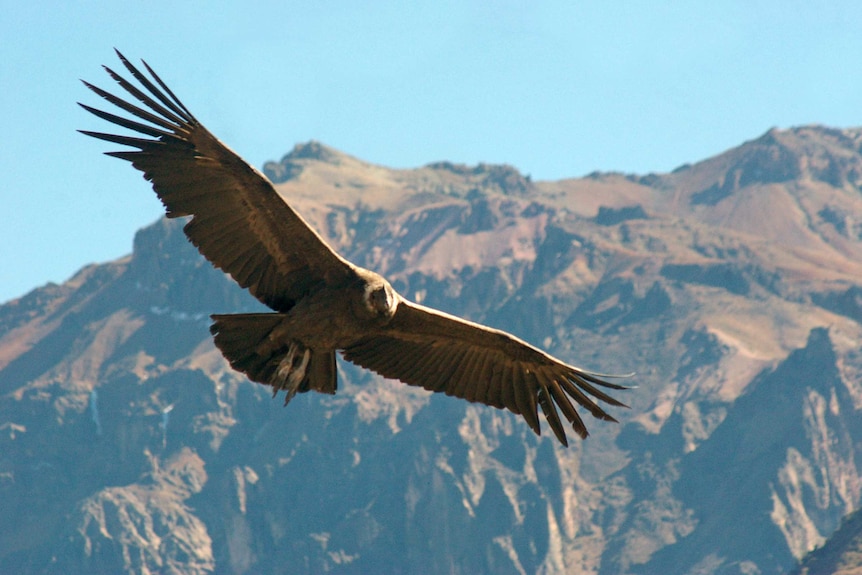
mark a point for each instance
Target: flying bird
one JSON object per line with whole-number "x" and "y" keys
{"x": 322, "y": 303}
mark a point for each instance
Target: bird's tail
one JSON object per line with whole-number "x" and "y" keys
{"x": 289, "y": 365}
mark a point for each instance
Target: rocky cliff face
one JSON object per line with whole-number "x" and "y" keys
{"x": 840, "y": 555}
{"x": 730, "y": 286}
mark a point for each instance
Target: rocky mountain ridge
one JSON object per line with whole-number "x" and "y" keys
{"x": 731, "y": 286}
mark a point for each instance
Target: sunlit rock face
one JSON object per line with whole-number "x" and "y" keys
{"x": 730, "y": 286}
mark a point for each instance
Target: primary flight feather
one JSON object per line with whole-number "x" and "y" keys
{"x": 321, "y": 302}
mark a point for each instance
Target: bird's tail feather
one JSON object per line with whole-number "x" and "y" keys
{"x": 243, "y": 340}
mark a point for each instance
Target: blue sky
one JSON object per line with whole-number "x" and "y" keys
{"x": 557, "y": 89}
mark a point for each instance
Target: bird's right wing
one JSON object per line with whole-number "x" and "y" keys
{"x": 440, "y": 352}
{"x": 239, "y": 222}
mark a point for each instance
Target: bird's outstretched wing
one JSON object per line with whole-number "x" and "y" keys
{"x": 443, "y": 353}
{"x": 239, "y": 222}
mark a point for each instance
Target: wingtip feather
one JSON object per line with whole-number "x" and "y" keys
{"x": 530, "y": 411}
{"x": 553, "y": 417}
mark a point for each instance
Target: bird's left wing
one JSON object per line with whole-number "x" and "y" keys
{"x": 440, "y": 352}
{"x": 239, "y": 222}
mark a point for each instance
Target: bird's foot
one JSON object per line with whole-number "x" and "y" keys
{"x": 291, "y": 371}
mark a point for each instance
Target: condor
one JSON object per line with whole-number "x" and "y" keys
{"x": 322, "y": 303}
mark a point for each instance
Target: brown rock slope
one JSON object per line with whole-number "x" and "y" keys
{"x": 840, "y": 555}
{"x": 732, "y": 286}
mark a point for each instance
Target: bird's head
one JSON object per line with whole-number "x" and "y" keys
{"x": 380, "y": 299}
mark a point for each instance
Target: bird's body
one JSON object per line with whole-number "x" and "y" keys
{"x": 271, "y": 348}
{"x": 323, "y": 304}
{"x": 333, "y": 317}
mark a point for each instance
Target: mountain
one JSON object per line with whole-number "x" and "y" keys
{"x": 840, "y": 555}
{"x": 731, "y": 286}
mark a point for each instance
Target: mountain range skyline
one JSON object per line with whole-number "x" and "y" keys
{"x": 730, "y": 285}
{"x": 556, "y": 89}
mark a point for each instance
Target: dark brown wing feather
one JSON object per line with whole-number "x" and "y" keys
{"x": 440, "y": 352}
{"x": 239, "y": 222}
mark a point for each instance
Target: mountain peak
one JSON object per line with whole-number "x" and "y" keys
{"x": 314, "y": 150}
{"x": 292, "y": 163}
{"x": 813, "y": 153}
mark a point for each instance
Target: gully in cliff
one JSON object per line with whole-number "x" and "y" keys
{"x": 323, "y": 304}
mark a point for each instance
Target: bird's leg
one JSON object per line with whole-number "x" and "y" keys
{"x": 296, "y": 376}
{"x": 283, "y": 370}
{"x": 289, "y": 376}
